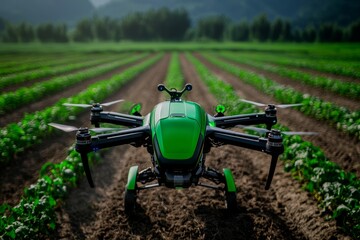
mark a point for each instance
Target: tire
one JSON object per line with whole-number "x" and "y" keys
{"x": 129, "y": 202}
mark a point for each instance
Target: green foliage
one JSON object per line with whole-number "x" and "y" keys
{"x": 340, "y": 117}
{"x": 347, "y": 89}
{"x": 260, "y": 28}
{"x": 337, "y": 191}
{"x": 34, "y": 216}
{"x": 12, "y": 100}
{"x": 14, "y": 138}
{"x": 174, "y": 77}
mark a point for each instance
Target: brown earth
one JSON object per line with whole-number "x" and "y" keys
{"x": 24, "y": 170}
{"x": 47, "y": 101}
{"x": 283, "y": 212}
{"x": 341, "y": 101}
{"x": 338, "y": 146}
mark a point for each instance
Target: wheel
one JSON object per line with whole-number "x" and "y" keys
{"x": 129, "y": 201}
{"x": 230, "y": 201}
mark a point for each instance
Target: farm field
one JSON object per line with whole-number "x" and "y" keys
{"x": 315, "y": 192}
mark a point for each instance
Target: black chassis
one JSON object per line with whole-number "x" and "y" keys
{"x": 139, "y": 134}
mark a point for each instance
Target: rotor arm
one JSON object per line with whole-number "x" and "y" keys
{"x": 271, "y": 145}
{"x": 135, "y": 136}
{"x": 116, "y": 118}
{"x": 245, "y": 119}
{"x": 85, "y": 143}
{"x": 237, "y": 139}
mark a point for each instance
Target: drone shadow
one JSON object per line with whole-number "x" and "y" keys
{"x": 221, "y": 224}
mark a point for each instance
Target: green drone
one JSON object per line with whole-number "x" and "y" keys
{"x": 178, "y": 134}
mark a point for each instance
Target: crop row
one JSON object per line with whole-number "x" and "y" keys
{"x": 174, "y": 77}
{"x": 16, "y": 137}
{"x": 337, "y": 191}
{"x": 41, "y": 63}
{"x": 51, "y": 71}
{"x": 347, "y": 89}
{"x": 35, "y": 216}
{"x": 339, "y": 67}
{"x": 340, "y": 117}
{"x": 13, "y": 100}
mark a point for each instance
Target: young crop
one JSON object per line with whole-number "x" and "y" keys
{"x": 347, "y": 89}
{"x": 16, "y": 137}
{"x": 13, "y": 100}
{"x": 174, "y": 77}
{"x": 329, "y": 64}
{"x": 18, "y": 67}
{"x": 50, "y": 71}
{"x": 337, "y": 191}
{"x": 340, "y": 117}
{"x": 34, "y": 216}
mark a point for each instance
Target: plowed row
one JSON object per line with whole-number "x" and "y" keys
{"x": 283, "y": 212}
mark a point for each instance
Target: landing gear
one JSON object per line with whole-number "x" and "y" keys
{"x": 130, "y": 191}
{"x": 129, "y": 201}
{"x": 230, "y": 191}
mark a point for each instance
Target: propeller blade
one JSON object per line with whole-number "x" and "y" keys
{"x": 111, "y": 103}
{"x": 300, "y": 133}
{"x": 289, "y": 105}
{"x": 77, "y": 105}
{"x": 263, "y": 130}
{"x": 279, "y": 105}
{"x": 64, "y": 128}
{"x": 101, "y": 130}
{"x": 67, "y": 128}
{"x": 254, "y": 103}
{"x": 256, "y": 129}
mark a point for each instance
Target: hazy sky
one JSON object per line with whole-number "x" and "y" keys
{"x": 97, "y": 3}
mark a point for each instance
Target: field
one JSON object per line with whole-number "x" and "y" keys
{"x": 315, "y": 192}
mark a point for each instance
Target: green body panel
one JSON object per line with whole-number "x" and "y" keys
{"x": 230, "y": 183}
{"x": 131, "y": 183}
{"x": 178, "y": 126}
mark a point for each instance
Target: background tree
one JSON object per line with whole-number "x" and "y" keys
{"x": 212, "y": 27}
{"x": 276, "y": 29}
{"x": 354, "y": 31}
{"x": 309, "y": 34}
{"x": 260, "y": 28}
{"x": 10, "y": 33}
{"x": 239, "y": 32}
{"x": 286, "y": 33}
{"x": 84, "y": 31}
{"x": 26, "y": 32}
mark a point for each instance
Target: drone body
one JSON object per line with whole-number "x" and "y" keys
{"x": 178, "y": 134}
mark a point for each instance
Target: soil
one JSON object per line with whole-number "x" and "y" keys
{"x": 47, "y": 101}
{"x": 329, "y": 139}
{"x": 325, "y": 95}
{"x": 24, "y": 169}
{"x": 283, "y": 212}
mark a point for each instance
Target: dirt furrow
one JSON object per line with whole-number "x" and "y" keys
{"x": 47, "y": 101}
{"x": 24, "y": 170}
{"x": 194, "y": 213}
{"x": 83, "y": 213}
{"x": 338, "y": 146}
{"x": 351, "y": 104}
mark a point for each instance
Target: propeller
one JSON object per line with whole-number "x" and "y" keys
{"x": 276, "y": 105}
{"x": 91, "y": 105}
{"x": 263, "y": 130}
{"x": 67, "y": 128}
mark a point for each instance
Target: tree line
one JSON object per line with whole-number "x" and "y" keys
{"x": 175, "y": 25}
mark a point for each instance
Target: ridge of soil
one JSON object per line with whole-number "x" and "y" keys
{"x": 31, "y": 82}
{"x": 326, "y": 95}
{"x": 47, "y": 101}
{"x": 24, "y": 170}
{"x": 337, "y": 146}
{"x": 283, "y": 212}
